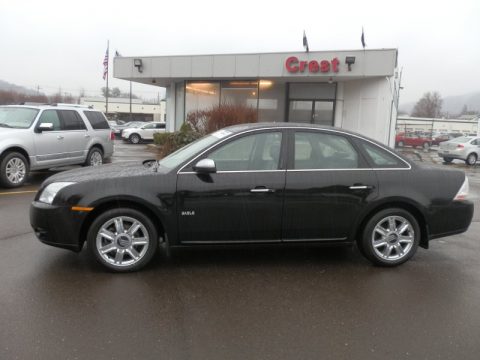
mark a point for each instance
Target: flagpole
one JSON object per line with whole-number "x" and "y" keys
{"x": 106, "y": 94}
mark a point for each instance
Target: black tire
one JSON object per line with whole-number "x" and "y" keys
{"x": 401, "y": 144}
{"x": 94, "y": 157}
{"x": 471, "y": 159}
{"x": 16, "y": 162}
{"x": 106, "y": 259}
{"x": 447, "y": 160}
{"x": 135, "y": 138}
{"x": 391, "y": 239}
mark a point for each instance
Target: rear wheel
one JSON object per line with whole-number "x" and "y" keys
{"x": 390, "y": 237}
{"x": 471, "y": 159}
{"x": 447, "y": 160}
{"x": 135, "y": 138}
{"x": 94, "y": 157}
{"x": 401, "y": 144}
{"x": 426, "y": 145}
{"x": 122, "y": 239}
{"x": 13, "y": 170}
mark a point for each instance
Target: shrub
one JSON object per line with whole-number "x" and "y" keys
{"x": 203, "y": 122}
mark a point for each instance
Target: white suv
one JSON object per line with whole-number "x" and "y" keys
{"x": 143, "y": 132}
{"x": 46, "y": 136}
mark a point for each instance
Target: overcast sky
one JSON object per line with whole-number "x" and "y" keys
{"x": 61, "y": 44}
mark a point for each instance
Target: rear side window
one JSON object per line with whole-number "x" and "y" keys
{"x": 316, "y": 150}
{"x": 97, "y": 120}
{"x": 71, "y": 120}
{"x": 381, "y": 158}
{"x": 160, "y": 126}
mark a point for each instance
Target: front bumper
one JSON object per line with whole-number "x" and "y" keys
{"x": 57, "y": 225}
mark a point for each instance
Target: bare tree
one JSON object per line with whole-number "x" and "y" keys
{"x": 429, "y": 106}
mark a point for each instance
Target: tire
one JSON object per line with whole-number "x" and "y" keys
{"x": 135, "y": 138}
{"x": 426, "y": 146}
{"x": 447, "y": 160}
{"x": 14, "y": 169}
{"x": 94, "y": 157}
{"x": 399, "y": 241}
{"x": 401, "y": 144}
{"x": 471, "y": 159}
{"x": 121, "y": 254}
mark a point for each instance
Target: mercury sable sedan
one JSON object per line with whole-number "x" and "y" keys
{"x": 277, "y": 184}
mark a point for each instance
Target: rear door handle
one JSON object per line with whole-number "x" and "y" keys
{"x": 87, "y": 136}
{"x": 59, "y": 137}
{"x": 360, "y": 187}
{"x": 261, "y": 189}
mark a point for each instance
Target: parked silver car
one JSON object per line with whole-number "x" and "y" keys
{"x": 46, "y": 136}
{"x": 465, "y": 148}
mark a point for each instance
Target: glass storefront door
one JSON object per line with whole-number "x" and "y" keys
{"x": 311, "y": 111}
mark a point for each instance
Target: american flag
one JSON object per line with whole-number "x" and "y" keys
{"x": 105, "y": 65}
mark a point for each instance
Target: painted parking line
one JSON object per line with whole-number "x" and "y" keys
{"x": 18, "y": 192}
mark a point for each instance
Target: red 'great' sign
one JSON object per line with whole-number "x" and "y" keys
{"x": 293, "y": 65}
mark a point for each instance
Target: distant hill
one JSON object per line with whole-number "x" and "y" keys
{"x": 4, "y": 85}
{"x": 452, "y": 105}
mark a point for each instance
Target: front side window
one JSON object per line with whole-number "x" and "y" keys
{"x": 50, "y": 117}
{"x": 16, "y": 117}
{"x": 71, "y": 120}
{"x": 251, "y": 152}
{"x": 317, "y": 150}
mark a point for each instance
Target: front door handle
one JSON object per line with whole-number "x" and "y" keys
{"x": 360, "y": 187}
{"x": 59, "y": 137}
{"x": 261, "y": 189}
{"x": 87, "y": 136}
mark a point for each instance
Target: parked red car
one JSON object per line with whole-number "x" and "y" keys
{"x": 412, "y": 139}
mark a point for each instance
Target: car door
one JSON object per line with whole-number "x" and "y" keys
{"x": 76, "y": 136}
{"x": 242, "y": 201}
{"x": 147, "y": 131}
{"x": 50, "y": 145}
{"x": 328, "y": 183}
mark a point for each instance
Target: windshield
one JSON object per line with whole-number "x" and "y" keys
{"x": 17, "y": 117}
{"x": 181, "y": 155}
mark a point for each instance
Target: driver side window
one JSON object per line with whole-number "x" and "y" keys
{"x": 252, "y": 152}
{"x": 50, "y": 116}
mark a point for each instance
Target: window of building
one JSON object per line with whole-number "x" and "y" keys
{"x": 271, "y": 101}
{"x": 311, "y": 103}
{"x": 201, "y": 96}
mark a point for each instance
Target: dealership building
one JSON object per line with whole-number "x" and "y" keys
{"x": 354, "y": 90}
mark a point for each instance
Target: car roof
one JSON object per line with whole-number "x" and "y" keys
{"x": 52, "y": 106}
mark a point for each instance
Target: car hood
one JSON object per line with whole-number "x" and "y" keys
{"x": 108, "y": 171}
{"x": 4, "y": 132}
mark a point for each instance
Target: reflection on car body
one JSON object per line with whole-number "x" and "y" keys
{"x": 275, "y": 184}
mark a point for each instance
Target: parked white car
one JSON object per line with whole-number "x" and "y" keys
{"x": 144, "y": 132}
{"x": 46, "y": 136}
{"x": 466, "y": 148}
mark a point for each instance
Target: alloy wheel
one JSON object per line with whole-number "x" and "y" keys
{"x": 392, "y": 238}
{"x": 96, "y": 158}
{"x": 122, "y": 241}
{"x": 15, "y": 171}
{"x": 135, "y": 139}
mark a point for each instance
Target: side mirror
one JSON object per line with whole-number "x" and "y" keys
{"x": 45, "y": 127}
{"x": 205, "y": 166}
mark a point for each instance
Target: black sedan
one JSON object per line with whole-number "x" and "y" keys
{"x": 278, "y": 184}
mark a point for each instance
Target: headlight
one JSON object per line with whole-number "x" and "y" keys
{"x": 49, "y": 193}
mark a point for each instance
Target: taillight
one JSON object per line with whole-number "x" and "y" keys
{"x": 112, "y": 135}
{"x": 463, "y": 192}
{"x": 460, "y": 146}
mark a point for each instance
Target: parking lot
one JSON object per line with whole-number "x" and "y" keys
{"x": 263, "y": 303}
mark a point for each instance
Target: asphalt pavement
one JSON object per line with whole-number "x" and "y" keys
{"x": 261, "y": 303}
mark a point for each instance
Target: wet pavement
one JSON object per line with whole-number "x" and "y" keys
{"x": 259, "y": 303}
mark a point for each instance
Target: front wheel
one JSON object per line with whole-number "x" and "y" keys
{"x": 122, "y": 239}
{"x": 390, "y": 237}
{"x": 447, "y": 160}
{"x": 13, "y": 170}
{"x": 471, "y": 159}
{"x": 426, "y": 146}
{"x": 135, "y": 138}
{"x": 401, "y": 144}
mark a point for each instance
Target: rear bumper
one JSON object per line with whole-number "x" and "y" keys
{"x": 452, "y": 154}
{"x": 450, "y": 220}
{"x": 57, "y": 225}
